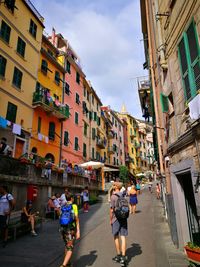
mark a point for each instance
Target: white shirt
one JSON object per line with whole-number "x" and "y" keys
{"x": 4, "y": 203}
{"x": 85, "y": 196}
{"x": 63, "y": 200}
{"x": 56, "y": 202}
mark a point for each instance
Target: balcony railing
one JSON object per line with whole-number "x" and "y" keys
{"x": 47, "y": 104}
{"x": 111, "y": 150}
{"x": 111, "y": 134}
{"x": 101, "y": 143}
{"x": 128, "y": 159}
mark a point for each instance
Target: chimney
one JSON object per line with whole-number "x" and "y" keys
{"x": 53, "y": 36}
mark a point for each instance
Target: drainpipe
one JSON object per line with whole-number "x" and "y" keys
{"x": 61, "y": 130}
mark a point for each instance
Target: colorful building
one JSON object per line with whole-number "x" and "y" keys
{"x": 21, "y": 28}
{"x": 49, "y": 110}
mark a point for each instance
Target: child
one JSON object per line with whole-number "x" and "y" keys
{"x": 70, "y": 232}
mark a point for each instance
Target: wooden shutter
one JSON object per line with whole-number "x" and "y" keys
{"x": 66, "y": 138}
{"x": 3, "y": 62}
{"x": 164, "y": 102}
{"x": 11, "y": 112}
{"x": 52, "y": 131}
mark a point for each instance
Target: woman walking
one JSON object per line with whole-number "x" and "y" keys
{"x": 133, "y": 199}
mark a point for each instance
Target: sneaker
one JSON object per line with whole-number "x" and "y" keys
{"x": 33, "y": 233}
{"x": 117, "y": 258}
{"x": 123, "y": 261}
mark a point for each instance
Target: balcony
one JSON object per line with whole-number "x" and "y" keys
{"x": 111, "y": 134}
{"x": 137, "y": 145}
{"x": 133, "y": 134}
{"x": 137, "y": 155}
{"x": 128, "y": 159}
{"x": 111, "y": 150}
{"x": 52, "y": 107}
{"x": 101, "y": 143}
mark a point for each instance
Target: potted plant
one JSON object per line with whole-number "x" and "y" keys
{"x": 193, "y": 252}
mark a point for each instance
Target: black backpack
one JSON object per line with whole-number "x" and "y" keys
{"x": 122, "y": 208}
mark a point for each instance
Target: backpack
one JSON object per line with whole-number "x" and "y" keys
{"x": 67, "y": 216}
{"x": 122, "y": 208}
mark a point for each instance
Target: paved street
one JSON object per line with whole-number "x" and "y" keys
{"x": 148, "y": 243}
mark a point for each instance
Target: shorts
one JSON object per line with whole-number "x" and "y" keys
{"x": 4, "y": 220}
{"x": 69, "y": 237}
{"x": 120, "y": 228}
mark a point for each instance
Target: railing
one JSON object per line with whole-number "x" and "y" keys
{"x": 101, "y": 143}
{"x": 111, "y": 134}
{"x": 111, "y": 150}
{"x": 58, "y": 110}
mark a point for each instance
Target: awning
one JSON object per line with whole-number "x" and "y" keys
{"x": 107, "y": 169}
{"x": 91, "y": 164}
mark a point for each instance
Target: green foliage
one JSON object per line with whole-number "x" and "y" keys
{"x": 123, "y": 174}
{"x": 193, "y": 245}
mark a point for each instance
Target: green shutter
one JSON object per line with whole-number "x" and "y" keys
{"x": 93, "y": 153}
{"x": 11, "y": 112}
{"x": 66, "y": 138}
{"x": 68, "y": 67}
{"x": 33, "y": 28}
{"x": 57, "y": 77}
{"x": 21, "y": 45}
{"x": 93, "y": 133}
{"x": 90, "y": 115}
{"x": 77, "y": 77}
{"x": 17, "y": 78}
{"x": 84, "y": 150}
{"x": 39, "y": 124}
{"x": 76, "y": 117}
{"x": 76, "y": 146}
{"x": 5, "y": 32}
{"x": 52, "y": 131}
{"x": 164, "y": 102}
{"x": 95, "y": 116}
{"x": 3, "y": 62}
{"x": 44, "y": 66}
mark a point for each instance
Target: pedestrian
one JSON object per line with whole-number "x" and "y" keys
{"x": 70, "y": 229}
{"x": 158, "y": 191}
{"x": 63, "y": 197}
{"x": 48, "y": 168}
{"x": 138, "y": 187}
{"x": 28, "y": 216}
{"x": 150, "y": 187}
{"x": 7, "y": 204}
{"x": 133, "y": 199}
{"x": 119, "y": 227}
{"x": 85, "y": 196}
{"x": 4, "y": 148}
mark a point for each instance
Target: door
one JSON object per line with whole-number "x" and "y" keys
{"x": 193, "y": 222}
{"x": 19, "y": 148}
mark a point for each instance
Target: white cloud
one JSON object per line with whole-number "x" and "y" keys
{"x": 109, "y": 47}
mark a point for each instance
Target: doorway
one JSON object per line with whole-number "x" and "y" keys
{"x": 185, "y": 181}
{"x": 19, "y": 147}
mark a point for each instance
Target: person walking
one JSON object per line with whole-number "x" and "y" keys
{"x": 133, "y": 199}
{"x": 70, "y": 229}
{"x": 138, "y": 187}
{"x": 158, "y": 191}
{"x": 85, "y": 195}
{"x": 119, "y": 227}
{"x": 7, "y": 204}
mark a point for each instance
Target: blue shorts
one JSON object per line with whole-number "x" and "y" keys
{"x": 120, "y": 228}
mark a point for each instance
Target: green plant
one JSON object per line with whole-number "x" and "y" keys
{"x": 123, "y": 174}
{"x": 193, "y": 245}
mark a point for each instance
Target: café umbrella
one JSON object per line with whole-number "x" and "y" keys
{"x": 91, "y": 164}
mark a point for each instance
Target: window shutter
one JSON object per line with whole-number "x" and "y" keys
{"x": 52, "y": 131}
{"x": 66, "y": 138}
{"x": 57, "y": 77}
{"x": 76, "y": 146}
{"x": 68, "y": 67}
{"x": 11, "y": 112}
{"x": 84, "y": 150}
{"x": 44, "y": 66}
{"x": 93, "y": 133}
{"x": 164, "y": 102}
{"x": 67, "y": 89}
{"x": 95, "y": 116}
{"x": 3, "y": 62}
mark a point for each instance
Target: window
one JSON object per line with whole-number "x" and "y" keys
{"x": 67, "y": 89}
{"x": 85, "y": 128}
{"x": 77, "y": 99}
{"x": 164, "y": 102}
{"x": 76, "y": 146}
{"x": 188, "y": 51}
{"x": 39, "y": 124}
{"x": 11, "y": 112}
{"x": 10, "y": 4}
{"x": 90, "y": 115}
{"x": 98, "y": 121}
{"x": 21, "y": 45}
{"x": 92, "y": 99}
{"x": 66, "y": 138}
{"x": 88, "y": 96}
{"x": 57, "y": 77}
{"x": 33, "y": 28}
{"x": 93, "y": 133}
{"x": 17, "y": 78}
{"x": 93, "y": 153}
{"x": 77, "y": 77}
{"x": 44, "y": 66}
{"x": 5, "y": 32}
{"x": 84, "y": 91}
{"x": 84, "y": 150}
{"x": 95, "y": 116}
{"x": 52, "y": 131}
{"x": 68, "y": 67}
{"x": 3, "y": 62}
{"x": 76, "y": 117}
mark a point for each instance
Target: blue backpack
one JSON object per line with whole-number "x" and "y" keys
{"x": 67, "y": 216}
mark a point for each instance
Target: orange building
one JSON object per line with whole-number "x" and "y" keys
{"x": 49, "y": 110}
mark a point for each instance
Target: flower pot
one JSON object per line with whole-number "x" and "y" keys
{"x": 193, "y": 254}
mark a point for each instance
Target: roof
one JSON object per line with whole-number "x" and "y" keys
{"x": 34, "y": 11}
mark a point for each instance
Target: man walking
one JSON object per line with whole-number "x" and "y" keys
{"x": 119, "y": 226}
{"x": 6, "y": 205}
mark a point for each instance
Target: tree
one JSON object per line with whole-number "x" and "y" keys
{"x": 123, "y": 173}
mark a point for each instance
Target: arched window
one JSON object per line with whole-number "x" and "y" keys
{"x": 50, "y": 157}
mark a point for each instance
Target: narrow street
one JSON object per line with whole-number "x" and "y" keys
{"x": 148, "y": 243}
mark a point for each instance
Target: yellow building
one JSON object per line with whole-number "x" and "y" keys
{"x": 21, "y": 28}
{"x": 133, "y": 141}
{"x": 49, "y": 110}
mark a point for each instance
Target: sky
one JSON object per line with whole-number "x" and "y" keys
{"x": 106, "y": 35}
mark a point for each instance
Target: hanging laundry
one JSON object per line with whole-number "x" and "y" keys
{"x": 17, "y": 129}
{"x": 3, "y": 122}
{"x": 9, "y": 123}
{"x": 40, "y": 136}
{"x": 46, "y": 138}
{"x": 194, "y": 106}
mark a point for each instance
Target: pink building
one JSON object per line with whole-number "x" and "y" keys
{"x": 72, "y": 132}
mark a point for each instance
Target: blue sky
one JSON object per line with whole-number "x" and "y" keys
{"x": 106, "y": 35}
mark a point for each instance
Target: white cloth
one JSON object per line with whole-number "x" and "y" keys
{"x": 85, "y": 196}
{"x": 40, "y": 136}
{"x": 194, "y": 106}
{"x": 63, "y": 199}
{"x": 8, "y": 123}
{"x": 56, "y": 202}
{"x": 17, "y": 129}
{"x": 46, "y": 138}
{"x": 4, "y": 203}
